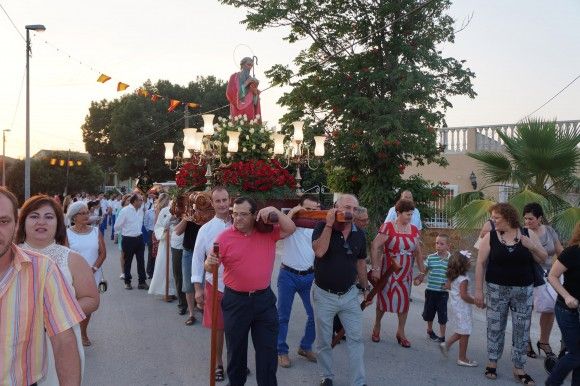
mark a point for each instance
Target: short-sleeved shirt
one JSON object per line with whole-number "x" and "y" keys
{"x": 415, "y": 218}
{"x": 337, "y": 269}
{"x": 296, "y": 250}
{"x": 437, "y": 268}
{"x": 548, "y": 241}
{"x": 35, "y": 300}
{"x": 248, "y": 260}
{"x": 570, "y": 258}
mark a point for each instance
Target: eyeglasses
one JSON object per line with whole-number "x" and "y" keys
{"x": 242, "y": 214}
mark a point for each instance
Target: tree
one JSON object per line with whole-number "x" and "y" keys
{"x": 120, "y": 134}
{"x": 373, "y": 79}
{"x": 44, "y": 178}
{"x": 541, "y": 161}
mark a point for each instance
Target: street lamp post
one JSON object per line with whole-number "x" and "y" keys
{"x": 4, "y": 156}
{"x": 38, "y": 28}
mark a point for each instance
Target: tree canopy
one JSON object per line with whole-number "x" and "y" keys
{"x": 121, "y": 133}
{"x": 373, "y": 79}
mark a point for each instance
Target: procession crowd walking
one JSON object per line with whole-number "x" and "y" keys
{"x": 214, "y": 256}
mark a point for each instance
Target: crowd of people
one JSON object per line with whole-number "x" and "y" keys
{"x": 52, "y": 251}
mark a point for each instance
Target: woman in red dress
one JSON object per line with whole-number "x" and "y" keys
{"x": 400, "y": 240}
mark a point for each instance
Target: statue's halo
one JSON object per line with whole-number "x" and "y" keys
{"x": 241, "y": 51}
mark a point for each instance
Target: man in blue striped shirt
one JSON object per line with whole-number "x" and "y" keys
{"x": 436, "y": 295}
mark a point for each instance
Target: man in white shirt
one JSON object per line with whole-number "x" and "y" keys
{"x": 296, "y": 276}
{"x": 206, "y": 236}
{"x": 415, "y": 219}
{"x": 129, "y": 224}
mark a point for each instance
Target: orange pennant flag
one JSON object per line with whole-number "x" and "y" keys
{"x": 103, "y": 78}
{"x": 155, "y": 97}
{"x": 192, "y": 105}
{"x": 122, "y": 86}
{"x": 173, "y": 103}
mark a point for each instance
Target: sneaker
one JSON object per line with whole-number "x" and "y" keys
{"x": 122, "y": 277}
{"x": 284, "y": 361}
{"x": 307, "y": 354}
{"x": 143, "y": 286}
{"x": 128, "y": 286}
{"x": 433, "y": 336}
{"x": 444, "y": 349}
{"x": 326, "y": 382}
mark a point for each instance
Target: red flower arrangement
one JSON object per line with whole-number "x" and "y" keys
{"x": 191, "y": 175}
{"x": 261, "y": 178}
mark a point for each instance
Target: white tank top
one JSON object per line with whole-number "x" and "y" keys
{"x": 87, "y": 245}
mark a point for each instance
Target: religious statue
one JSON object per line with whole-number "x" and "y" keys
{"x": 242, "y": 91}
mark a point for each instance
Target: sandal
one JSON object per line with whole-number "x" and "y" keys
{"x": 190, "y": 321}
{"x": 403, "y": 342}
{"x": 376, "y": 336}
{"x": 491, "y": 372}
{"x": 531, "y": 353}
{"x": 219, "y": 373}
{"x": 87, "y": 342}
{"x": 524, "y": 379}
{"x": 545, "y": 347}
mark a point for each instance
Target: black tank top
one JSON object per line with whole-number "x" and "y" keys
{"x": 509, "y": 265}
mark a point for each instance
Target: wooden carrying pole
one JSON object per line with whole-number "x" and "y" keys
{"x": 167, "y": 250}
{"x": 214, "y": 316}
{"x": 377, "y": 287}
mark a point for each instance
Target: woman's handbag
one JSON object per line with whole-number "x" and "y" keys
{"x": 103, "y": 285}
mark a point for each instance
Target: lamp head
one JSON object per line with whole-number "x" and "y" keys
{"x": 36, "y": 27}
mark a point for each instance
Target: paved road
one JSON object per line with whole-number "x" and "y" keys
{"x": 141, "y": 340}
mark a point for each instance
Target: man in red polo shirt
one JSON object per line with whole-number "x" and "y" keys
{"x": 249, "y": 303}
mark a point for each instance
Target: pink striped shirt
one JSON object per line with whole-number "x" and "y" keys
{"x": 34, "y": 297}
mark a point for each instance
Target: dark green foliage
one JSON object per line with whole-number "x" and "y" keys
{"x": 373, "y": 79}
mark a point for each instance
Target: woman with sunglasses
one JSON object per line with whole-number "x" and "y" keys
{"x": 89, "y": 242}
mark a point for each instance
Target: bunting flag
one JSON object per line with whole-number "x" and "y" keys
{"x": 141, "y": 91}
{"x": 103, "y": 78}
{"x": 192, "y": 105}
{"x": 122, "y": 86}
{"x": 155, "y": 97}
{"x": 173, "y": 103}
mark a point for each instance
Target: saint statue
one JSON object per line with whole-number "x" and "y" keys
{"x": 242, "y": 91}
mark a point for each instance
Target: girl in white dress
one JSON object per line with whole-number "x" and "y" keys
{"x": 89, "y": 242}
{"x": 41, "y": 228}
{"x": 162, "y": 229}
{"x": 461, "y": 309}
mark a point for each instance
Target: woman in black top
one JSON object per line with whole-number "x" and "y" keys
{"x": 509, "y": 256}
{"x": 568, "y": 264}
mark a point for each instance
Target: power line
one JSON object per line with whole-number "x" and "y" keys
{"x": 14, "y": 25}
{"x": 18, "y": 100}
{"x": 554, "y": 97}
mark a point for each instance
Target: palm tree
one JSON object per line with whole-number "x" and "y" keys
{"x": 541, "y": 162}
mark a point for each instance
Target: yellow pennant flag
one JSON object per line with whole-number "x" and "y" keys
{"x": 173, "y": 103}
{"x": 103, "y": 78}
{"x": 142, "y": 92}
{"x": 122, "y": 86}
{"x": 192, "y": 105}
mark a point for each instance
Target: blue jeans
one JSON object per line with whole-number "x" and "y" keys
{"x": 569, "y": 323}
{"x": 347, "y": 307}
{"x": 103, "y": 224}
{"x": 112, "y": 224}
{"x": 288, "y": 285}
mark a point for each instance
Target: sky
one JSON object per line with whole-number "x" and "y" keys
{"x": 522, "y": 52}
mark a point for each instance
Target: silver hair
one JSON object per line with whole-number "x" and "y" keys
{"x": 75, "y": 208}
{"x": 360, "y": 210}
{"x": 245, "y": 60}
{"x": 345, "y": 196}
